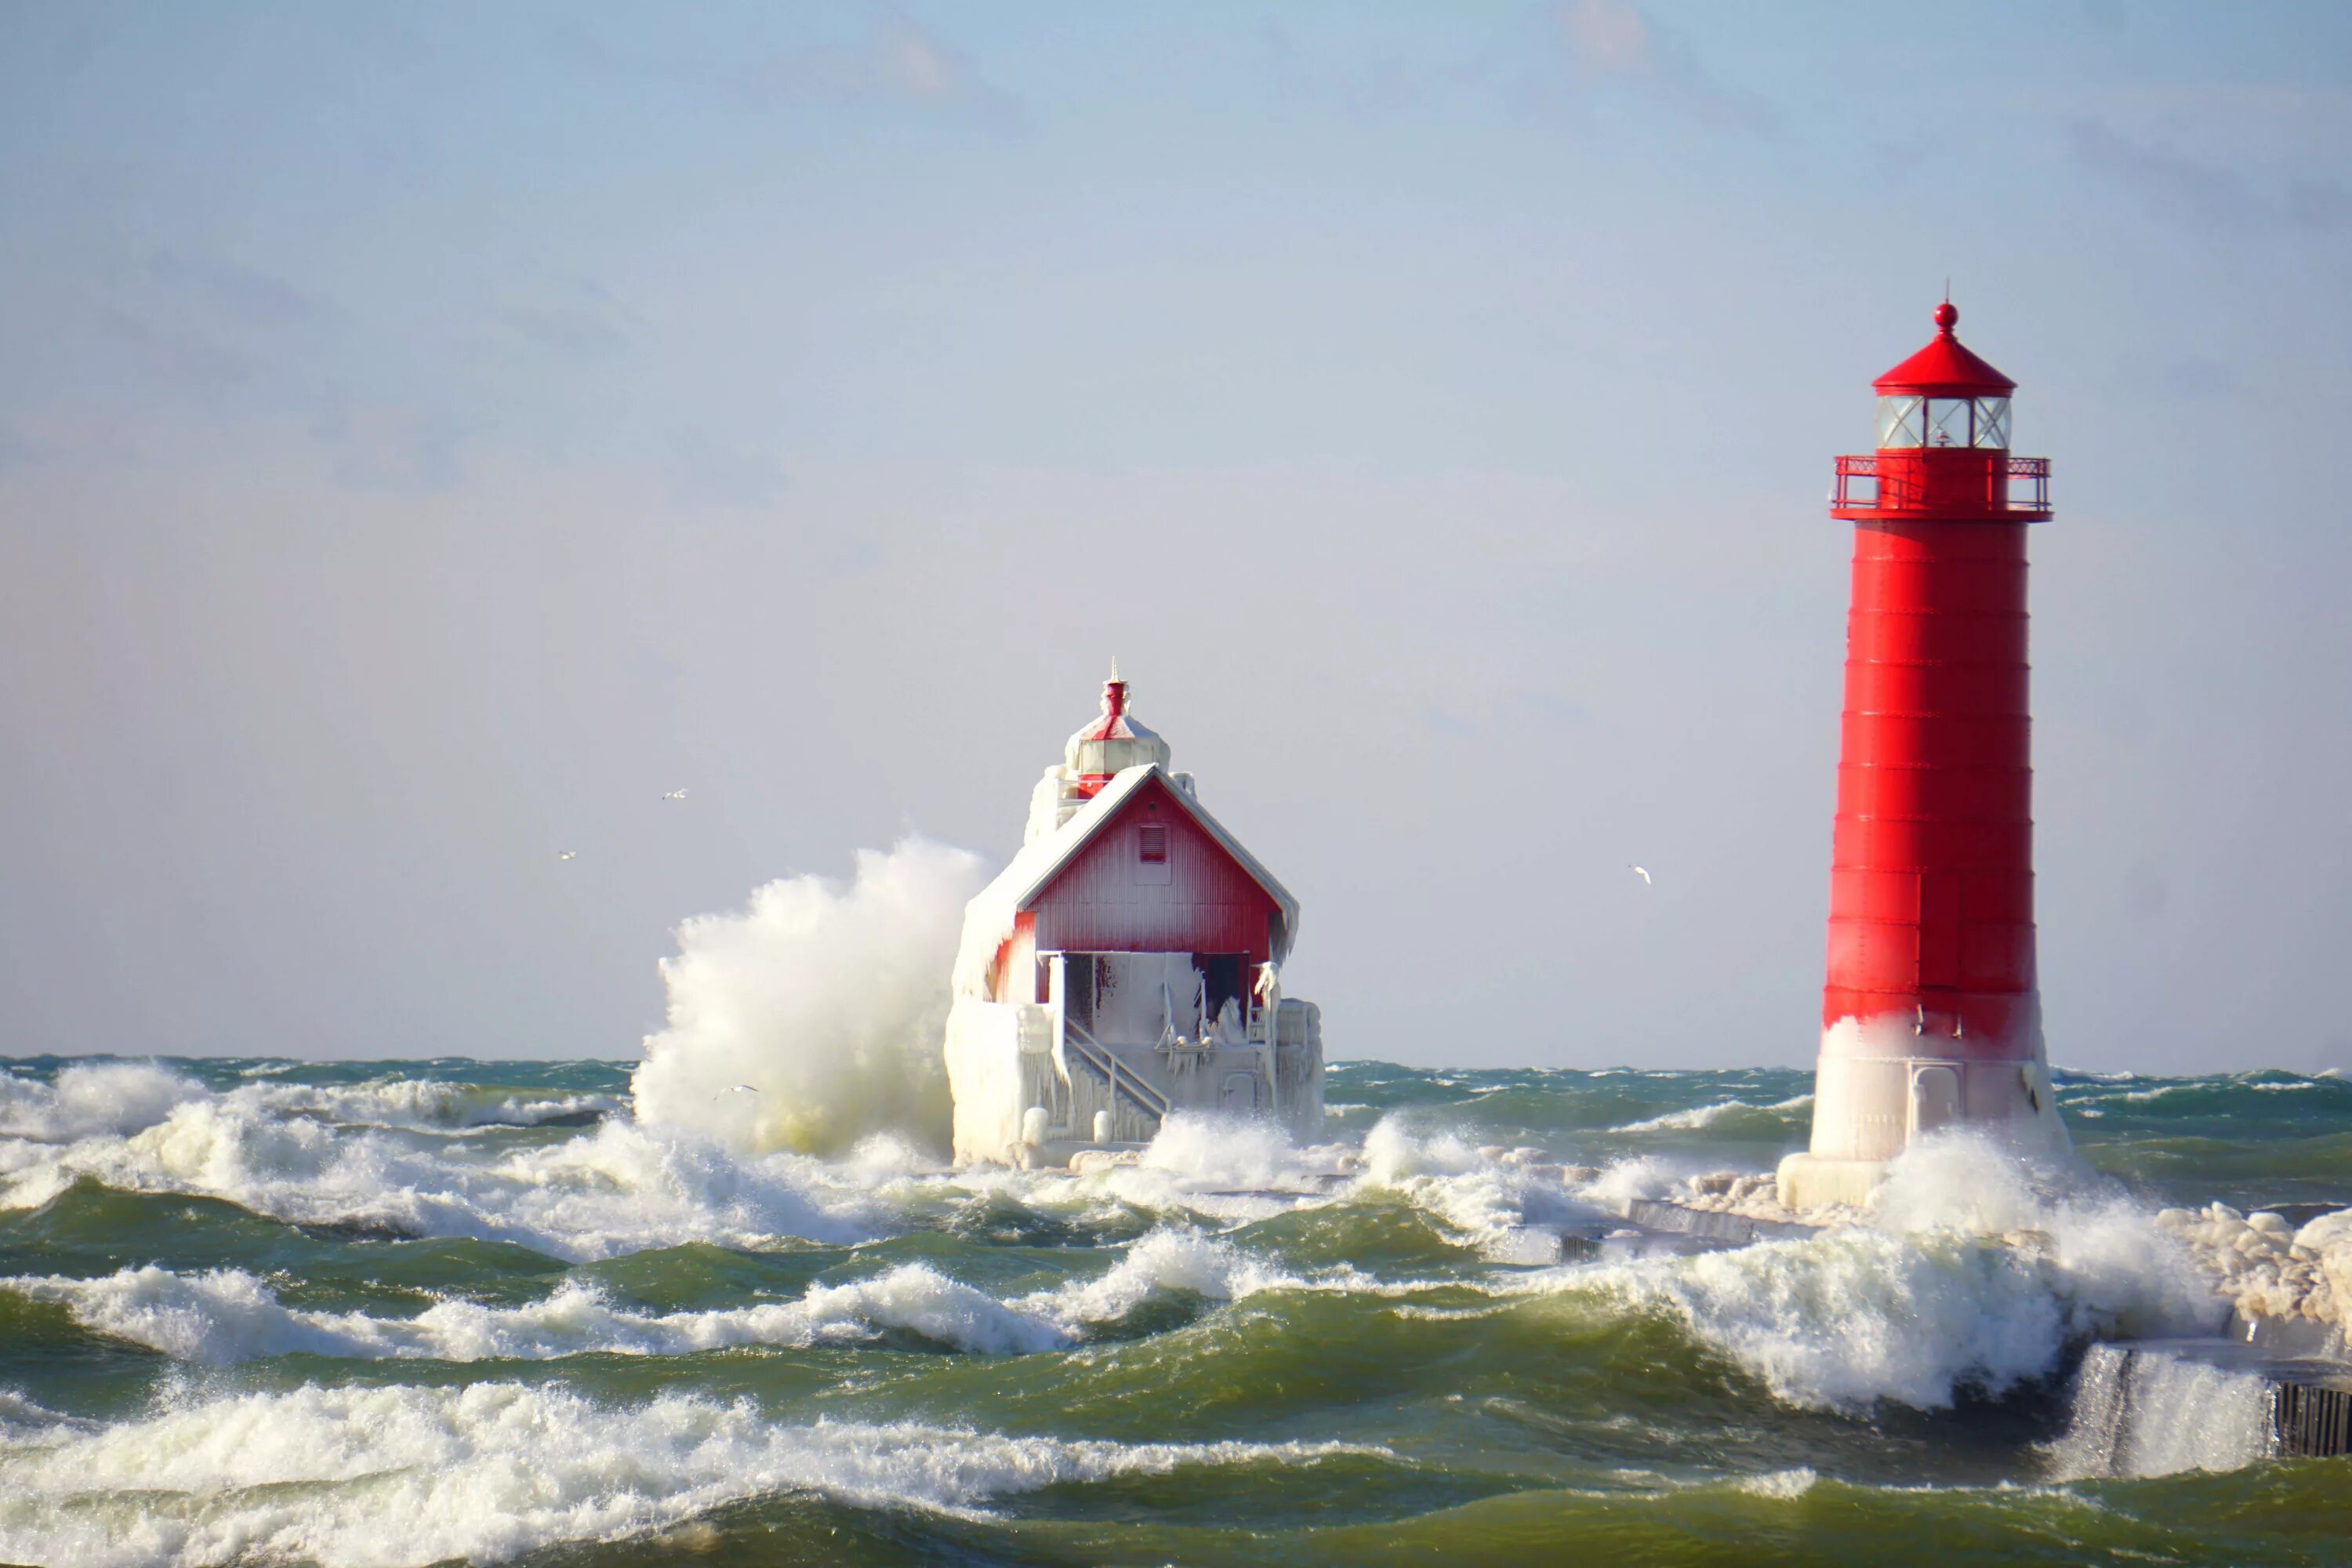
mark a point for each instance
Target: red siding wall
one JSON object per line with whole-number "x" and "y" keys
{"x": 1103, "y": 901}
{"x": 1016, "y": 962}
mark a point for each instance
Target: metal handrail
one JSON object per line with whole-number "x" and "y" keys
{"x": 1123, "y": 1080}
{"x": 2034, "y": 472}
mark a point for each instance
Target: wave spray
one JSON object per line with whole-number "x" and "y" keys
{"x": 811, "y": 1018}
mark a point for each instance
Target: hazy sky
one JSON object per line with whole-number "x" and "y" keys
{"x": 428, "y": 432}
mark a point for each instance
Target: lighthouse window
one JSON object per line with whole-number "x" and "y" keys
{"x": 1898, "y": 422}
{"x": 1155, "y": 843}
{"x": 1992, "y": 422}
{"x": 1948, "y": 421}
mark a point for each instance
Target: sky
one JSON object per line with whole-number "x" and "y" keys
{"x": 430, "y": 434}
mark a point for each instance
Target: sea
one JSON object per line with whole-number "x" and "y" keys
{"x": 408, "y": 1313}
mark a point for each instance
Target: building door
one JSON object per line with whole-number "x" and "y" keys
{"x": 1239, "y": 1094}
{"x": 1935, "y": 1098}
{"x": 1223, "y": 973}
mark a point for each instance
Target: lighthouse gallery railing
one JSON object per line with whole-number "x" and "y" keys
{"x": 2003, "y": 489}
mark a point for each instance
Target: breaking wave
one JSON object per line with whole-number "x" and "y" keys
{"x": 1459, "y": 1273}
{"x": 811, "y": 1018}
{"x": 228, "y": 1315}
{"x": 619, "y": 1188}
{"x": 92, "y": 1100}
{"x": 1780, "y": 1116}
{"x": 490, "y": 1472}
{"x": 1979, "y": 1273}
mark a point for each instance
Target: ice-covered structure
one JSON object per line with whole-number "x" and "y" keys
{"x": 1124, "y": 966}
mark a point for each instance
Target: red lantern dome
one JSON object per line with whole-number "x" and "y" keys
{"x": 1943, "y": 444}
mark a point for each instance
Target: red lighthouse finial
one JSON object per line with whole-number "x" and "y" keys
{"x": 1947, "y": 315}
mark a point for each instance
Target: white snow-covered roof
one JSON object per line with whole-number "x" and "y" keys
{"x": 988, "y": 919}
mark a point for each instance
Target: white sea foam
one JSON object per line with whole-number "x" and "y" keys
{"x": 1164, "y": 1261}
{"x": 1506, "y": 1209}
{"x": 829, "y": 1001}
{"x": 623, "y": 1185}
{"x": 1228, "y": 1170}
{"x": 2152, "y": 1413}
{"x": 1234, "y": 1153}
{"x": 1704, "y": 1116}
{"x": 370, "y": 1478}
{"x": 228, "y": 1315}
{"x": 1979, "y": 1273}
{"x": 25, "y": 1420}
{"x": 1641, "y": 1176}
{"x": 619, "y": 1188}
{"x": 91, "y": 1099}
{"x": 421, "y": 1104}
{"x": 1784, "y": 1484}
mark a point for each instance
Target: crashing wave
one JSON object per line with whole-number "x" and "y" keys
{"x": 346, "y": 1476}
{"x": 228, "y": 1315}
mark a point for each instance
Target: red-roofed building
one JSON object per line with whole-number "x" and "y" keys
{"x": 1125, "y": 967}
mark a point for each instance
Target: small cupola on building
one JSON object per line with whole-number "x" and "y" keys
{"x": 1112, "y": 743}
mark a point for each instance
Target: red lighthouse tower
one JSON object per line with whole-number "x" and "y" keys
{"x": 1931, "y": 1014}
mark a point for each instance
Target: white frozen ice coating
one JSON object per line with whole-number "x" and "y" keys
{"x": 1880, "y": 1086}
{"x": 1116, "y": 741}
{"x": 2270, "y": 1268}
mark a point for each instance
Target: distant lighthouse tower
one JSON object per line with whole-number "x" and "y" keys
{"x": 1930, "y": 1016}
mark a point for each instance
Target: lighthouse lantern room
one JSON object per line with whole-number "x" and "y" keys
{"x": 1124, "y": 967}
{"x": 1931, "y": 1013}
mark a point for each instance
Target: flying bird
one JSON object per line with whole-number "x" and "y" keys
{"x": 674, "y": 795}
{"x": 738, "y": 1088}
{"x": 569, "y": 855}
{"x": 1638, "y": 871}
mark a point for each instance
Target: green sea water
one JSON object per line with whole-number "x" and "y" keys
{"x": 430, "y": 1311}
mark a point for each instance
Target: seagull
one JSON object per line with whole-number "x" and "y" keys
{"x": 569, "y": 855}
{"x": 674, "y": 795}
{"x": 1640, "y": 873}
{"x": 738, "y": 1088}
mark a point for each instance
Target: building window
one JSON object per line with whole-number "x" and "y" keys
{"x": 1155, "y": 843}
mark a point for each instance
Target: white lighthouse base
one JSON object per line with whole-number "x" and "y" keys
{"x": 1809, "y": 1182}
{"x": 1881, "y": 1085}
